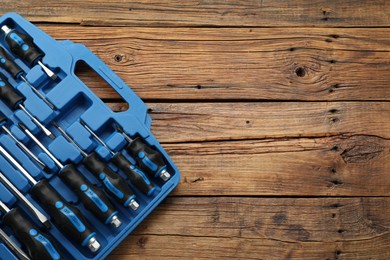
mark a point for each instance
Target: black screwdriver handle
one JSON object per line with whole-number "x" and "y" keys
{"x": 23, "y": 45}
{"x": 149, "y": 160}
{"x": 113, "y": 183}
{"x": 92, "y": 198}
{"x": 8, "y": 94}
{"x": 3, "y": 118}
{"x": 67, "y": 217}
{"x": 7, "y": 63}
{"x": 137, "y": 177}
{"x": 39, "y": 245}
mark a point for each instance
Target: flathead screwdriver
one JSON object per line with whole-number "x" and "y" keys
{"x": 3, "y": 120}
{"x": 149, "y": 160}
{"x": 14, "y": 248}
{"x": 39, "y": 246}
{"x": 92, "y": 198}
{"x": 7, "y": 63}
{"x": 113, "y": 183}
{"x": 137, "y": 177}
{"x": 23, "y": 45}
{"x": 67, "y": 217}
{"x": 9, "y": 95}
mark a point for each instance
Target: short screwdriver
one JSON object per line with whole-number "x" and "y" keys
{"x": 9, "y": 95}
{"x": 92, "y": 198}
{"x": 14, "y": 248}
{"x": 67, "y": 217}
{"x": 113, "y": 183}
{"x": 149, "y": 160}
{"x": 3, "y": 120}
{"x": 7, "y": 63}
{"x": 137, "y": 177}
{"x": 39, "y": 246}
{"x": 23, "y": 45}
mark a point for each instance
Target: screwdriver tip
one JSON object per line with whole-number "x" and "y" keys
{"x": 54, "y": 77}
{"x": 51, "y": 136}
{"x": 21, "y": 125}
{"x": 134, "y": 204}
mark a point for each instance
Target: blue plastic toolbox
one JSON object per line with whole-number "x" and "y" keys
{"x": 80, "y": 114}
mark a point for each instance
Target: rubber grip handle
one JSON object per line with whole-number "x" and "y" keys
{"x": 22, "y": 45}
{"x": 39, "y": 245}
{"x": 7, "y": 63}
{"x": 68, "y": 218}
{"x": 8, "y": 94}
{"x": 113, "y": 183}
{"x": 92, "y": 198}
{"x": 149, "y": 160}
{"x": 137, "y": 177}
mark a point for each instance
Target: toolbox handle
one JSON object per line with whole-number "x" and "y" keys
{"x": 136, "y": 105}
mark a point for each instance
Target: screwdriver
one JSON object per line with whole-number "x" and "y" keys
{"x": 7, "y": 63}
{"x": 113, "y": 183}
{"x": 11, "y": 244}
{"x": 39, "y": 245}
{"x": 137, "y": 177}
{"x": 3, "y": 120}
{"x": 92, "y": 198}
{"x": 67, "y": 217}
{"x": 23, "y": 45}
{"x": 38, "y": 214}
{"x": 9, "y": 95}
{"x": 149, "y": 160}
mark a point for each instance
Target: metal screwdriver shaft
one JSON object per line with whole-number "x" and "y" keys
{"x": 11, "y": 244}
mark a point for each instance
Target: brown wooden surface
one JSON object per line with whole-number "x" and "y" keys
{"x": 276, "y": 112}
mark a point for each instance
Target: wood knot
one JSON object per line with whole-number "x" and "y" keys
{"x": 362, "y": 149}
{"x": 300, "y": 72}
{"x": 118, "y": 58}
{"x": 142, "y": 242}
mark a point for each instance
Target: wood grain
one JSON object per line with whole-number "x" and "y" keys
{"x": 245, "y": 64}
{"x": 265, "y": 13}
{"x": 190, "y": 122}
{"x": 262, "y": 228}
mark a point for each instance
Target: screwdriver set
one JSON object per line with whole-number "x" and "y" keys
{"x": 75, "y": 177}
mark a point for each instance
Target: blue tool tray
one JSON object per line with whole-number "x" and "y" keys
{"x": 74, "y": 100}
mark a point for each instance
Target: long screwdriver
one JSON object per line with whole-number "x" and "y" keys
{"x": 137, "y": 177}
{"x": 149, "y": 160}
{"x": 9, "y": 95}
{"x": 92, "y": 198}
{"x": 39, "y": 245}
{"x": 36, "y": 212}
{"x": 67, "y": 217}
{"x": 113, "y": 183}
{"x": 3, "y": 120}
{"x": 7, "y": 63}
{"x": 14, "y": 248}
{"x": 23, "y": 45}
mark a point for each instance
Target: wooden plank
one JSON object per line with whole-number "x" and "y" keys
{"x": 190, "y": 122}
{"x": 262, "y": 228}
{"x": 335, "y": 166}
{"x": 270, "y": 13}
{"x": 230, "y": 64}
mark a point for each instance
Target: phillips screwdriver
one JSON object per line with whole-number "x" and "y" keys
{"x": 11, "y": 244}
{"x": 137, "y": 177}
{"x": 3, "y": 120}
{"x": 9, "y": 95}
{"x": 23, "y": 45}
{"x": 39, "y": 245}
{"x": 149, "y": 160}
{"x": 92, "y": 198}
{"x": 7, "y": 63}
{"x": 113, "y": 183}
{"x": 67, "y": 217}
{"x": 38, "y": 214}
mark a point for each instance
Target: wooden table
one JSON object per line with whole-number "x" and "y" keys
{"x": 276, "y": 112}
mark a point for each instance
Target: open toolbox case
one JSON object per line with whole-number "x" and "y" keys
{"x": 74, "y": 101}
